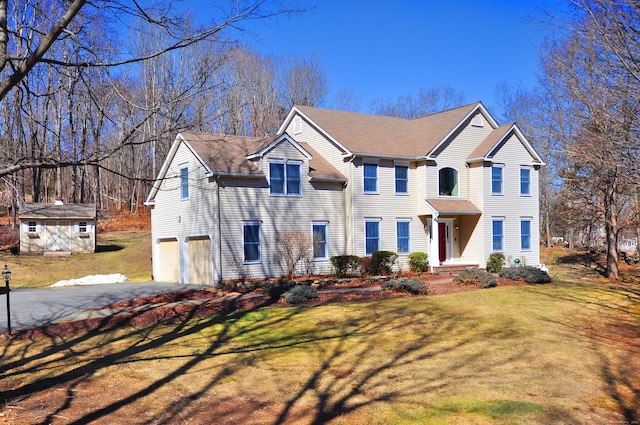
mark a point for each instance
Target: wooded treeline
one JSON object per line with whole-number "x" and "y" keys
{"x": 90, "y": 123}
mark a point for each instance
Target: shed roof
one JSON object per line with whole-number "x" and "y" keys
{"x": 59, "y": 211}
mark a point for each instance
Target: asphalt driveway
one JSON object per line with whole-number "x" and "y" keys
{"x": 36, "y": 307}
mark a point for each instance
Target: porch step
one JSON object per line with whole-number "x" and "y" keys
{"x": 453, "y": 269}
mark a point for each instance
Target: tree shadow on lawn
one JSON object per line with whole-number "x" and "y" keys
{"x": 109, "y": 248}
{"x": 341, "y": 383}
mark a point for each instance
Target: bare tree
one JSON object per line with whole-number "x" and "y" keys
{"x": 427, "y": 101}
{"x": 598, "y": 128}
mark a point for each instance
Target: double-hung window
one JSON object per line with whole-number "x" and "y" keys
{"x": 525, "y": 234}
{"x": 372, "y": 236}
{"x": 403, "y": 236}
{"x": 497, "y": 234}
{"x": 370, "y": 178}
{"x": 525, "y": 181}
{"x": 184, "y": 183}
{"x": 320, "y": 241}
{"x": 251, "y": 241}
{"x": 496, "y": 179}
{"x": 402, "y": 180}
{"x": 285, "y": 178}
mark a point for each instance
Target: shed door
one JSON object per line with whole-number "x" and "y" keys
{"x": 169, "y": 261}
{"x": 200, "y": 263}
{"x": 58, "y": 235}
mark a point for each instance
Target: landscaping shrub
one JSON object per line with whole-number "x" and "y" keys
{"x": 476, "y": 277}
{"x": 418, "y": 262}
{"x": 274, "y": 290}
{"x": 382, "y": 262}
{"x": 345, "y": 265}
{"x": 300, "y": 294}
{"x": 527, "y": 273}
{"x": 413, "y": 286}
{"x": 495, "y": 263}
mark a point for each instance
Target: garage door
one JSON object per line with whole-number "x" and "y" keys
{"x": 169, "y": 261}
{"x": 199, "y": 258}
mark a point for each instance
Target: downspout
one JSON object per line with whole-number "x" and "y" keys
{"x": 435, "y": 240}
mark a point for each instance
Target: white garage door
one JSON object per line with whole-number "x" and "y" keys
{"x": 169, "y": 261}
{"x": 199, "y": 258}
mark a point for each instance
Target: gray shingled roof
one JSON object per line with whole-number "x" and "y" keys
{"x": 63, "y": 211}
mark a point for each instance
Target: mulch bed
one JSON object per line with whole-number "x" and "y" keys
{"x": 228, "y": 302}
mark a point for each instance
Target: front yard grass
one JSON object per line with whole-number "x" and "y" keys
{"x": 562, "y": 353}
{"x": 126, "y": 252}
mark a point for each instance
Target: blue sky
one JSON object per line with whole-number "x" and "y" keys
{"x": 387, "y": 49}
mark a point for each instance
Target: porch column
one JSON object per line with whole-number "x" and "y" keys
{"x": 434, "y": 255}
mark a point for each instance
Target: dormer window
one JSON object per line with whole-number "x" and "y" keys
{"x": 448, "y": 182}
{"x": 285, "y": 177}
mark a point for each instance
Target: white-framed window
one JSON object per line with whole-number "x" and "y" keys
{"x": 320, "y": 248}
{"x": 251, "y": 242}
{"x": 402, "y": 179}
{"x": 285, "y": 177}
{"x": 403, "y": 236}
{"x": 497, "y": 234}
{"x": 184, "y": 183}
{"x": 496, "y": 179}
{"x": 33, "y": 227}
{"x": 448, "y": 182}
{"x": 297, "y": 125}
{"x": 525, "y": 181}
{"x": 83, "y": 227}
{"x": 525, "y": 234}
{"x": 371, "y": 236}
{"x": 370, "y": 182}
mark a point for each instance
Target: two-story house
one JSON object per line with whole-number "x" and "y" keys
{"x": 453, "y": 184}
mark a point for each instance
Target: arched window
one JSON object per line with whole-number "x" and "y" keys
{"x": 448, "y": 178}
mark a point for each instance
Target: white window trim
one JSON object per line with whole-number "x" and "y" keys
{"x": 326, "y": 242}
{"x": 502, "y": 220}
{"x": 395, "y": 166}
{"x": 525, "y": 167}
{"x": 372, "y": 220}
{"x": 297, "y": 125}
{"x": 184, "y": 167}
{"x": 530, "y": 220}
{"x": 286, "y": 162}
{"x": 501, "y": 167}
{"x": 408, "y": 221}
{"x": 457, "y": 176}
{"x": 87, "y": 227}
{"x": 371, "y": 192}
{"x": 253, "y": 223}
{"x": 38, "y": 227}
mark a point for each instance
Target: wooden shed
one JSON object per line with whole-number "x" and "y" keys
{"x": 58, "y": 228}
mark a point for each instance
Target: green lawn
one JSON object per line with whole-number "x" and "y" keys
{"x": 563, "y": 353}
{"x": 128, "y": 253}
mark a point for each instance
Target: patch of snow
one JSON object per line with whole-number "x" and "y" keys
{"x": 96, "y": 279}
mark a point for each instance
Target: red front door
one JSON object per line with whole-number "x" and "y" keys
{"x": 442, "y": 241}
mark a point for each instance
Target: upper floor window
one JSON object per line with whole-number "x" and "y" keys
{"x": 251, "y": 241}
{"x": 448, "y": 182}
{"x": 496, "y": 179}
{"x": 402, "y": 179}
{"x": 184, "y": 183}
{"x": 285, "y": 178}
{"x": 370, "y": 178}
{"x": 403, "y": 236}
{"x": 320, "y": 241}
{"x": 525, "y": 181}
